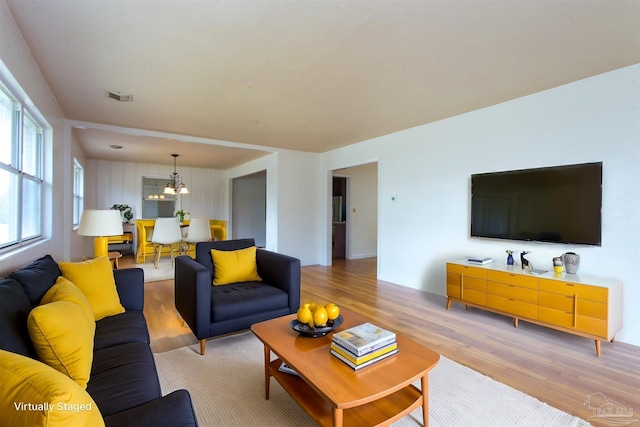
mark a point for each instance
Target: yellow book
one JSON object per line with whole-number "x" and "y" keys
{"x": 357, "y": 360}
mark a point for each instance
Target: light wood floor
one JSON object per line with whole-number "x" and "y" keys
{"x": 557, "y": 368}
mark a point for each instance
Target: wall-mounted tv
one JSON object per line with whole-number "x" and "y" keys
{"x": 560, "y": 204}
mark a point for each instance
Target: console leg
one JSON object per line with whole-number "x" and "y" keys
{"x": 448, "y": 303}
{"x": 515, "y": 322}
{"x": 598, "y": 348}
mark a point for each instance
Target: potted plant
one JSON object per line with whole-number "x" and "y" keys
{"x": 125, "y": 212}
{"x": 181, "y": 214}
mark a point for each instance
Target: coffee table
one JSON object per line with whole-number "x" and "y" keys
{"x": 334, "y": 394}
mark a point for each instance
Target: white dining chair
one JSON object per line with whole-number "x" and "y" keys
{"x": 199, "y": 230}
{"x": 166, "y": 232}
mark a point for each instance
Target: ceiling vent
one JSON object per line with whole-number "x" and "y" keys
{"x": 122, "y": 97}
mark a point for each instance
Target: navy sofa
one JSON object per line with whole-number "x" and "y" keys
{"x": 124, "y": 382}
{"x": 216, "y": 310}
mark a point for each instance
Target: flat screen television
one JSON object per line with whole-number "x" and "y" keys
{"x": 560, "y": 204}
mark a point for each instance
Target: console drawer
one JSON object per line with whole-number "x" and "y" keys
{"x": 557, "y": 301}
{"x": 474, "y": 283}
{"x": 593, "y": 309}
{"x": 592, "y": 325}
{"x": 555, "y": 317}
{"x": 515, "y": 307}
{"x": 513, "y": 292}
{"x": 467, "y": 271}
{"x": 453, "y": 290}
{"x": 592, "y": 293}
{"x": 474, "y": 296}
{"x": 513, "y": 279}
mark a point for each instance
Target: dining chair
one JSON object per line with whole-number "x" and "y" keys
{"x": 198, "y": 231}
{"x": 166, "y": 232}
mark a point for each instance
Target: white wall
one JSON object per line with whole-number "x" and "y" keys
{"x": 248, "y": 208}
{"x": 79, "y": 245}
{"x": 24, "y": 78}
{"x": 110, "y": 182}
{"x": 293, "y": 204}
{"x": 428, "y": 168}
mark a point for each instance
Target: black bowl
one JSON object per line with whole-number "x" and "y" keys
{"x": 321, "y": 331}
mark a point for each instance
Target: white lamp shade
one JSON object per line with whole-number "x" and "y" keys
{"x": 100, "y": 223}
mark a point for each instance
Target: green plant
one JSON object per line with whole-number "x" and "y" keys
{"x": 125, "y": 210}
{"x": 181, "y": 214}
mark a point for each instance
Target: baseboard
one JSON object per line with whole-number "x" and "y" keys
{"x": 361, "y": 256}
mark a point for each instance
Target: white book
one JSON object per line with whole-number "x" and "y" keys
{"x": 364, "y": 338}
{"x": 479, "y": 260}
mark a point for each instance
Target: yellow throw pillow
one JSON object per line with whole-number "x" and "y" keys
{"x": 64, "y": 290}
{"x": 33, "y": 394}
{"x": 95, "y": 279}
{"x": 234, "y": 266}
{"x": 63, "y": 338}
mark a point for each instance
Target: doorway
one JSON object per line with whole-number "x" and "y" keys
{"x": 339, "y": 220}
{"x": 354, "y": 212}
{"x": 249, "y": 207}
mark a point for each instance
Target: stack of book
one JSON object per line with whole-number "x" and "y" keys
{"x": 363, "y": 345}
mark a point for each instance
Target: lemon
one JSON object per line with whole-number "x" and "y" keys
{"x": 320, "y": 316}
{"x": 304, "y": 315}
{"x": 333, "y": 311}
{"x": 313, "y": 306}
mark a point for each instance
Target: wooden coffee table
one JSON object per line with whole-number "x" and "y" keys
{"x": 334, "y": 394}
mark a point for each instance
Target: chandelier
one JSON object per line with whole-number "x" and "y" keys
{"x": 175, "y": 186}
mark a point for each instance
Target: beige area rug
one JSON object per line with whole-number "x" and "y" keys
{"x": 227, "y": 388}
{"x": 163, "y": 272}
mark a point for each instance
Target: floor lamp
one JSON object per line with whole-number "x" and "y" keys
{"x": 100, "y": 223}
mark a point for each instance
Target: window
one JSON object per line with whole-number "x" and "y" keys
{"x": 21, "y": 173}
{"x": 78, "y": 192}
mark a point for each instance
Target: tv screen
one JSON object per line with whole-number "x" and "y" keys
{"x": 560, "y": 204}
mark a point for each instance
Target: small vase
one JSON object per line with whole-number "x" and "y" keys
{"x": 571, "y": 262}
{"x": 509, "y": 259}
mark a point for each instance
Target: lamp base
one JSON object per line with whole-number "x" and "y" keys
{"x": 100, "y": 247}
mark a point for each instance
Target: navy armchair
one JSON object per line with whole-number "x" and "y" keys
{"x": 216, "y": 310}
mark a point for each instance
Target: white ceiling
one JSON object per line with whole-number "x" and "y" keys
{"x": 306, "y": 75}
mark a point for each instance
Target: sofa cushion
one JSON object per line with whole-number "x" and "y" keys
{"x": 63, "y": 338}
{"x": 14, "y": 310}
{"x": 28, "y": 382}
{"x": 95, "y": 279}
{"x": 243, "y": 299}
{"x": 174, "y": 410}
{"x": 64, "y": 290}
{"x": 37, "y": 277}
{"x": 124, "y": 328}
{"x": 234, "y": 266}
{"x": 123, "y": 377}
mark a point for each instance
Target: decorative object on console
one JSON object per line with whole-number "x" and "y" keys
{"x": 100, "y": 224}
{"x": 509, "y": 257}
{"x": 571, "y": 262}
{"x": 175, "y": 186}
{"x": 524, "y": 261}
{"x": 125, "y": 212}
{"x": 557, "y": 264}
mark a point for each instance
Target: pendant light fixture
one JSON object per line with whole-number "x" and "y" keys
{"x": 175, "y": 186}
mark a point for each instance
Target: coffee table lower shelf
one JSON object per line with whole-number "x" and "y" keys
{"x": 381, "y": 412}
